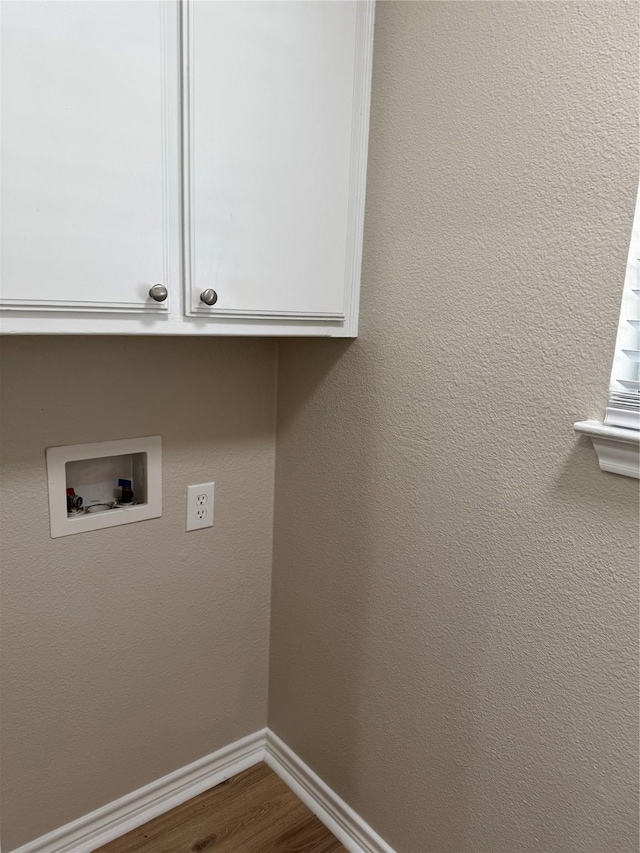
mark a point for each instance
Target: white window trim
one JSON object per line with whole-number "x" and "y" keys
{"x": 617, "y": 440}
{"x": 618, "y": 448}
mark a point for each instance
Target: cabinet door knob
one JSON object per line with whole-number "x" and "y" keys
{"x": 209, "y": 297}
{"x": 159, "y": 292}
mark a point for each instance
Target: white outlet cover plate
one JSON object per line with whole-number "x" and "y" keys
{"x": 200, "y": 506}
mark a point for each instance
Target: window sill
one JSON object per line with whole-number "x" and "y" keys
{"x": 618, "y": 448}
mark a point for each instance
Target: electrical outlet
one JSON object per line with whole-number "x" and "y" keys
{"x": 200, "y": 506}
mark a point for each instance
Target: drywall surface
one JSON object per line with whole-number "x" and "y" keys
{"x": 130, "y": 652}
{"x": 455, "y": 596}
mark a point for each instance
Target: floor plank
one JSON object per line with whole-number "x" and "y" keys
{"x": 255, "y": 812}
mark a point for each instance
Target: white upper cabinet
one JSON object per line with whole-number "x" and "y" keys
{"x": 85, "y": 155}
{"x": 216, "y": 148}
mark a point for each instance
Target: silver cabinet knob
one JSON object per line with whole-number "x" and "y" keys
{"x": 209, "y": 297}
{"x": 159, "y": 292}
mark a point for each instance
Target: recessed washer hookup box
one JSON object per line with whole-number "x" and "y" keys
{"x": 104, "y": 484}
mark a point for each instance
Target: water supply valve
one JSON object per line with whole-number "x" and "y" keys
{"x": 74, "y": 502}
{"x": 127, "y": 491}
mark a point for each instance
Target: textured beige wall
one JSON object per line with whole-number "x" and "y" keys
{"x": 127, "y": 653}
{"x": 455, "y": 582}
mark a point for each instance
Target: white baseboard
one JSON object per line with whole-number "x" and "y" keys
{"x": 133, "y": 810}
{"x": 348, "y": 827}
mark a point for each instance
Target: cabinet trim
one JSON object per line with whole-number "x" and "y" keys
{"x": 359, "y": 154}
{"x": 357, "y": 181}
{"x": 83, "y": 307}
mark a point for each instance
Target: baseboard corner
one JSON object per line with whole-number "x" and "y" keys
{"x": 114, "y": 820}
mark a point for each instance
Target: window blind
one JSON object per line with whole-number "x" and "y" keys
{"x": 623, "y": 408}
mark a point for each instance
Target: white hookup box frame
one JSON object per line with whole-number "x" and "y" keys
{"x": 146, "y": 458}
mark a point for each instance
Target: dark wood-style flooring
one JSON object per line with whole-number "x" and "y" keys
{"x": 255, "y": 812}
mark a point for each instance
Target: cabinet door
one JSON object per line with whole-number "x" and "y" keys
{"x": 273, "y": 93}
{"x": 86, "y": 180}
